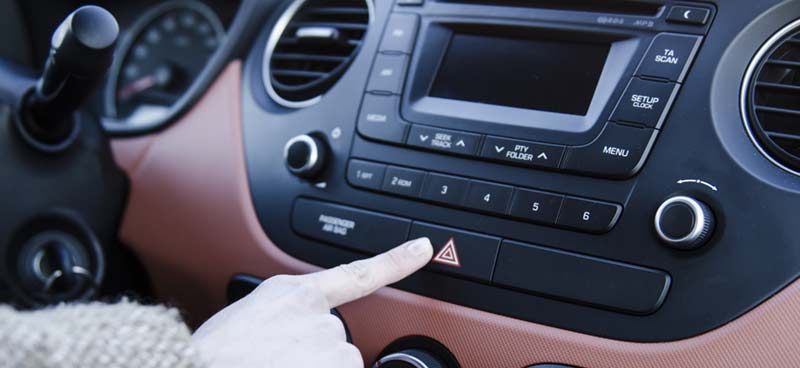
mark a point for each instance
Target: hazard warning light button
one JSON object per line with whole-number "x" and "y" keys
{"x": 458, "y": 252}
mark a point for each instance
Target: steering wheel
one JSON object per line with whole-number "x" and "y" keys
{"x": 61, "y": 193}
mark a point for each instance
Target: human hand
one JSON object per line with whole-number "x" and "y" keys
{"x": 286, "y": 321}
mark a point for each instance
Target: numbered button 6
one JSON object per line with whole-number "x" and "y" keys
{"x": 588, "y": 215}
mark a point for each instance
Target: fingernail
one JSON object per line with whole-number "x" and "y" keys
{"x": 419, "y": 247}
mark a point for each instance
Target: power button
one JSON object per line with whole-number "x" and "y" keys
{"x": 688, "y": 15}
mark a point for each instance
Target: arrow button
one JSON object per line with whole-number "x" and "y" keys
{"x": 524, "y": 153}
{"x": 445, "y": 140}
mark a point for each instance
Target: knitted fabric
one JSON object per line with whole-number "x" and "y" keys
{"x": 123, "y": 335}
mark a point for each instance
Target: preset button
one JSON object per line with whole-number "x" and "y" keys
{"x": 402, "y": 181}
{"x": 489, "y": 197}
{"x": 588, "y": 215}
{"x": 365, "y": 174}
{"x": 536, "y": 206}
{"x": 445, "y": 189}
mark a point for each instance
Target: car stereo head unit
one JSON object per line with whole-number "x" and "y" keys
{"x": 586, "y": 95}
{"x": 569, "y": 160}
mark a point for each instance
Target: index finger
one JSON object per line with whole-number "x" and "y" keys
{"x": 349, "y": 282}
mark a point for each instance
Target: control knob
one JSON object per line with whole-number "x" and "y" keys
{"x": 305, "y": 156}
{"x": 410, "y": 358}
{"x": 684, "y": 223}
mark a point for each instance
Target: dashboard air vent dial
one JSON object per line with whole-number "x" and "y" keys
{"x": 771, "y": 99}
{"x": 312, "y": 45}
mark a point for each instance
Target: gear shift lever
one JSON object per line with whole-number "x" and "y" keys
{"x": 81, "y": 51}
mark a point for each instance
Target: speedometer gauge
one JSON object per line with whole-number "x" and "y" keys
{"x": 161, "y": 56}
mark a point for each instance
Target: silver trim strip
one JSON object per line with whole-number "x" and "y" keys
{"x": 313, "y": 153}
{"x": 747, "y": 82}
{"x": 325, "y": 33}
{"x": 401, "y": 357}
{"x": 37, "y": 266}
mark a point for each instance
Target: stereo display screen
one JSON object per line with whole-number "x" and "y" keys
{"x": 547, "y": 75}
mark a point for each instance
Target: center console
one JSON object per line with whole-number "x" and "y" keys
{"x": 559, "y": 155}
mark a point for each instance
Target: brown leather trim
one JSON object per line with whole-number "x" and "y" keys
{"x": 191, "y": 220}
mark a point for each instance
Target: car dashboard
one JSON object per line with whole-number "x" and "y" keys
{"x": 605, "y": 183}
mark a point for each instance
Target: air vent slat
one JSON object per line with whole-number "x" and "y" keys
{"x": 339, "y": 11}
{"x": 779, "y": 123}
{"x": 784, "y": 136}
{"x": 791, "y": 147}
{"x": 302, "y": 69}
{"x": 778, "y": 86}
{"x": 339, "y": 26}
{"x": 773, "y": 100}
{"x": 308, "y": 57}
{"x": 298, "y": 73}
{"x": 777, "y": 110}
{"x": 784, "y": 63}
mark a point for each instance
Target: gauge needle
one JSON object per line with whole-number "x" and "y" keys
{"x": 161, "y": 77}
{"x": 136, "y": 87}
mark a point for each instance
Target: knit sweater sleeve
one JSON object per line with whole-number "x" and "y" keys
{"x": 95, "y": 335}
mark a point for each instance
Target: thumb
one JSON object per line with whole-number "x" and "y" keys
{"x": 349, "y": 282}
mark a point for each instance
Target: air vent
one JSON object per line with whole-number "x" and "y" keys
{"x": 771, "y": 99}
{"x": 310, "y": 48}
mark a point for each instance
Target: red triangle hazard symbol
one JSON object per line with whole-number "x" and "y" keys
{"x": 448, "y": 255}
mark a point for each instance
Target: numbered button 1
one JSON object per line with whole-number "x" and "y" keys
{"x": 536, "y": 206}
{"x": 365, "y": 174}
{"x": 445, "y": 189}
{"x": 489, "y": 197}
{"x": 588, "y": 215}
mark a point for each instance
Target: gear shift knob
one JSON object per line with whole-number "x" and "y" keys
{"x": 81, "y": 51}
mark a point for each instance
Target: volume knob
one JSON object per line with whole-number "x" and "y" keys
{"x": 684, "y": 223}
{"x": 410, "y": 358}
{"x": 305, "y": 156}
